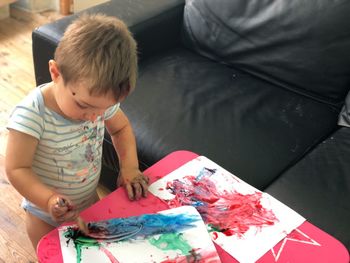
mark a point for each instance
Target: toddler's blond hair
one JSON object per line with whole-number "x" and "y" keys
{"x": 99, "y": 51}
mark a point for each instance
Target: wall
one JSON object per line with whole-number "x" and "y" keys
{"x": 4, "y": 8}
{"x": 36, "y": 5}
{"x": 42, "y": 5}
{"x": 83, "y": 4}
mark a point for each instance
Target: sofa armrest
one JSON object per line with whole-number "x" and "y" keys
{"x": 155, "y": 24}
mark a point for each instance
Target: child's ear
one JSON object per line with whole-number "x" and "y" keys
{"x": 54, "y": 72}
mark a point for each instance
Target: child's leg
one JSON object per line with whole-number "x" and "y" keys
{"x": 36, "y": 228}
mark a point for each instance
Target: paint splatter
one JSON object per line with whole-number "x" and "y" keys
{"x": 83, "y": 242}
{"x": 228, "y": 212}
{"x": 143, "y": 226}
{"x": 171, "y": 241}
{"x": 196, "y": 256}
{"x": 109, "y": 255}
{"x": 80, "y": 241}
{"x": 166, "y": 227}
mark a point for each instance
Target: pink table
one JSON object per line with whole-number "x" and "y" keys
{"x": 305, "y": 244}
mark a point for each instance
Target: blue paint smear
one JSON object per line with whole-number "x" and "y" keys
{"x": 205, "y": 172}
{"x": 143, "y": 226}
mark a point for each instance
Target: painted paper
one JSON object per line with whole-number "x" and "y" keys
{"x": 171, "y": 236}
{"x": 244, "y": 221}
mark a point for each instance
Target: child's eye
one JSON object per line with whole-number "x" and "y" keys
{"x": 80, "y": 106}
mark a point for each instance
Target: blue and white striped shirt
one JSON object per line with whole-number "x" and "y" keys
{"x": 68, "y": 155}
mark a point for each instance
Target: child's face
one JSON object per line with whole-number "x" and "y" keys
{"x": 76, "y": 103}
{"x": 74, "y": 100}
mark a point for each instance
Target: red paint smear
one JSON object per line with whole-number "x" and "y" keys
{"x": 109, "y": 255}
{"x": 231, "y": 213}
{"x": 215, "y": 235}
{"x": 196, "y": 255}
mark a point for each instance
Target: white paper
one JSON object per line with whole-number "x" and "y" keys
{"x": 140, "y": 249}
{"x": 255, "y": 242}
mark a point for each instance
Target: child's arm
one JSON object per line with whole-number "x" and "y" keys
{"x": 19, "y": 157}
{"x": 123, "y": 139}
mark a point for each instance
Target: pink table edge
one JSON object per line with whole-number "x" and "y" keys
{"x": 287, "y": 250}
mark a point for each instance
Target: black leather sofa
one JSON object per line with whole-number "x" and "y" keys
{"x": 256, "y": 86}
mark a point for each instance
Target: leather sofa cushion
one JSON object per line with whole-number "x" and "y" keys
{"x": 300, "y": 45}
{"x": 321, "y": 181}
{"x": 183, "y": 101}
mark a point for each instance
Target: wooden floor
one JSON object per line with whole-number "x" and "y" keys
{"x": 16, "y": 66}
{"x": 14, "y": 243}
{"x": 16, "y": 80}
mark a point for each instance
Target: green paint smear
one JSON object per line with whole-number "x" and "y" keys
{"x": 80, "y": 241}
{"x": 171, "y": 241}
{"x": 212, "y": 228}
{"x": 168, "y": 241}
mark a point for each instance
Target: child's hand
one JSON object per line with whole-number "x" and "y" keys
{"x": 135, "y": 183}
{"x": 61, "y": 209}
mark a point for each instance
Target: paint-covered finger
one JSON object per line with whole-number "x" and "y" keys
{"x": 82, "y": 225}
{"x": 144, "y": 186}
{"x": 137, "y": 190}
{"x": 129, "y": 191}
{"x": 145, "y": 178}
